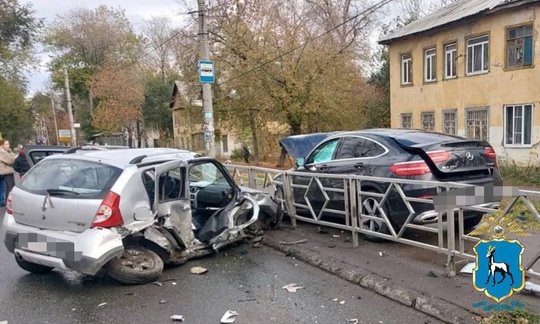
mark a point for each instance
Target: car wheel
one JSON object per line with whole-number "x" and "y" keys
{"x": 470, "y": 223}
{"x": 370, "y": 208}
{"x": 137, "y": 265}
{"x": 33, "y": 267}
{"x": 280, "y": 196}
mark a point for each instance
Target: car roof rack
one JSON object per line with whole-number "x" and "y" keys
{"x": 73, "y": 150}
{"x": 138, "y": 159}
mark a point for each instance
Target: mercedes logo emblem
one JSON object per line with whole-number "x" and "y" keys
{"x": 469, "y": 156}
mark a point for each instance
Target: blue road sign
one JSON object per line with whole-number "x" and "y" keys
{"x": 206, "y": 71}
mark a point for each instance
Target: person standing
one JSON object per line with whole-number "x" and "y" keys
{"x": 245, "y": 152}
{"x": 7, "y": 158}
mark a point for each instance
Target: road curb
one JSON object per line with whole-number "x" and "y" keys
{"x": 432, "y": 306}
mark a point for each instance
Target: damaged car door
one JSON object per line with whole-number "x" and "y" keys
{"x": 220, "y": 210}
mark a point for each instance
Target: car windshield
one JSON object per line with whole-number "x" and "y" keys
{"x": 70, "y": 178}
{"x": 206, "y": 173}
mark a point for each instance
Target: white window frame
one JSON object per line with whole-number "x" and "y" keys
{"x": 450, "y": 57}
{"x": 406, "y": 69}
{"x": 522, "y": 122}
{"x": 470, "y": 55}
{"x": 445, "y": 113}
{"x": 423, "y": 116}
{"x": 430, "y": 65}
{"x": 407, "y": 115}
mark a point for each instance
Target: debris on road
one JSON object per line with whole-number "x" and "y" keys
{"x": 292, "y": 287}
{"x": 322, "y": 230}
{"x": 256, "y": 240}
{"x": 198, "y": 270}
{"x": 3, "y": 322}
{"x": 468, "y": 268}
{"x": 382, "y": 253}
{"x": 173, "y": 283}
{"x": 353, "y": 321}
{"x": 129, "y": 294}
{"x": 331, "y": 246}
{"x": 157, "y": 283}
{"x": 432, "y": 273}
{"x": 162, "y": 301}
{"x": 102, "y": 304}
{"x": 335, "y": 236}
{"x": 179, "y": 318}
{"x": 293, "y": 243}
{"x": 228, "y": 317}
{"x": 342, "y": 302}
{"x": 247, "y": 299}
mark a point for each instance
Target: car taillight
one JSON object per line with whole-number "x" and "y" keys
{"x": 490, "y": 153}
{"x": 9, "y": 205}
{"x": 415, "y": 168}
{"x": 108, "y": 214}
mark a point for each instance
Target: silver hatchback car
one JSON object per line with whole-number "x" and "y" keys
{"x": 83, "y": 211}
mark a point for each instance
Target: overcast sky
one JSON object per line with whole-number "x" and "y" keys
{"x": 136, "y": 11}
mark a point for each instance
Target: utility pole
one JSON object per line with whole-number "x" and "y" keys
{"x": 54, "y": 117}
{"x": 209, "y": 135}
{"x": 70, "y": 111}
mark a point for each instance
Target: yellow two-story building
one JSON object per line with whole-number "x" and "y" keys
{"x": 469, "y": 70}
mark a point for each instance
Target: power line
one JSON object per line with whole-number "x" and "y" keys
{"x": 368, "y": 10}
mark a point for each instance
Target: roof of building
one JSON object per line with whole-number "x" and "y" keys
{"x": 452, "y": 13}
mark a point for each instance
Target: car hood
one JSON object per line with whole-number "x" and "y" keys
{"x": 299, "y": 146}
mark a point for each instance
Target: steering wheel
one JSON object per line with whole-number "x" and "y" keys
{"x": 168, "y": 186}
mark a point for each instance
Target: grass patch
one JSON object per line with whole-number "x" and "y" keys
{"x": 527, "y": 174}
{"x": 518, "y": 316}
{"x": 521, "y": 214}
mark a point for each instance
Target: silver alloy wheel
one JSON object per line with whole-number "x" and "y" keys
{"x": 370, "y": 207}
{"x": 136, "y": 260}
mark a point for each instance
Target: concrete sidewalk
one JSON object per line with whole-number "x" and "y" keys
{"x": 412, "y": 276}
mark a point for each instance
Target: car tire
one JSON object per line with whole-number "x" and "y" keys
{"x": 280, "y": 196}
{"x": 137, "y": 265}
{"x": 33, "y": 267}
{"x": 470, "y": 223}
{"x": 371, "y": 225}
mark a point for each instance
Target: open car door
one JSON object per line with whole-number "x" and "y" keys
{"x": 170, "y": 199}
{"x": 219, "y": 212}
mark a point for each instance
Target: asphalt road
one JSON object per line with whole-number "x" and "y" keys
{"x": 243, "y": 279}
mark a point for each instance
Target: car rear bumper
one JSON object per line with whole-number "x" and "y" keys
{"x": 85, "y": 252}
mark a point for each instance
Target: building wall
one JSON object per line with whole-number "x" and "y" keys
{"x": 498, "y": 87}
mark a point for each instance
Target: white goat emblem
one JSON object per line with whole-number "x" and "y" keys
{"x": 501, "y": 267}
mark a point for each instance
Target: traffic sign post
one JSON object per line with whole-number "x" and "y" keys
{"x": 206, "y": 71}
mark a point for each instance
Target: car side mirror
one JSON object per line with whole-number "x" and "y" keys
{"x": 300, "y": 162}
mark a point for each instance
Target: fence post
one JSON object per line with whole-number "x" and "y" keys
{"x": 353, "y": 214}
{"x": 451, "y": 236}
{"x": 251, "y": 179}
{"x": 288, "y": 196}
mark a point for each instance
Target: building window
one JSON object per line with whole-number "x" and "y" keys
{"x": 517, "y": 124}
{"x": 428, "y": 121}
{"x": 477, "y": 123}
{"x": 225, "y": 143}
{"x": 406, "y": 69}
{"x": 519, "y": 46}
{"x": 406, "y": 121}
{"x": 430, "y": 65}
{"x": 450, "y": 122}
{"x": 478, "y": 55}
{"x": 450, "y": 56}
